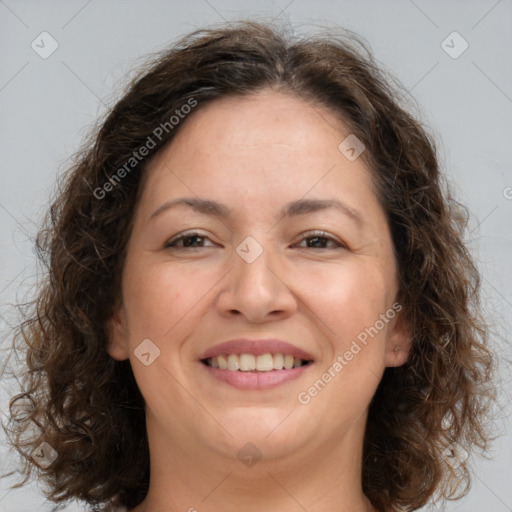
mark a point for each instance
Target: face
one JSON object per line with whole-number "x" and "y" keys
{"x": 296, "y": 248}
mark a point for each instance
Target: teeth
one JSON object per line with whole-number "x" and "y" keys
{"x": 233, "y": 362}
{"x": 278, "y": 361}
{"x": 265, "y": 363}
{"x": 249, "y": 362}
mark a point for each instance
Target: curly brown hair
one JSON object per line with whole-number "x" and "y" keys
{"x": 87, "y": 405}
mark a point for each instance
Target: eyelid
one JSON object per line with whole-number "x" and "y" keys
{"x": 322, "y": 234}
{"x": 185, "y": 234}
{"x": 303, "y": 236}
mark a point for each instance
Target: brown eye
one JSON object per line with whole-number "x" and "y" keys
{"x": 319, "y": 240}
{"x": 191, "y": 240}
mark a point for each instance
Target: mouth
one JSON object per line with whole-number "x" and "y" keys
{"x": 255, "y": 372}
{"x": 255, "y": 363}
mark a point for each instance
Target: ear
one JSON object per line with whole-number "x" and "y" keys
{"x": 398, "y": 342}
{"x": 117, "y": 345}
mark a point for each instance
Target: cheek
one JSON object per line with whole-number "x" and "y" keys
{"x": 350, "y": 298}
{"x": 159, "y": 296}
{"x": 351, "y": 304}
{"x": 161, "y": 300}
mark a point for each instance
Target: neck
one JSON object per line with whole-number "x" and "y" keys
{"x": 323, "y": 476}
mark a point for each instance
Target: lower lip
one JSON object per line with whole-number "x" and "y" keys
{"x": 256, "y": 380}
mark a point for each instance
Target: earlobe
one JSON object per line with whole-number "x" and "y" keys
{"x": 117, "y": 345}
{"x": 398, "y": 344}
{"x": 397, "y": 357}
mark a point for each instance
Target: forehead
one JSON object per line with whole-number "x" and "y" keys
{"x": 266, "y": 148}
{"x": 266, "y": 118}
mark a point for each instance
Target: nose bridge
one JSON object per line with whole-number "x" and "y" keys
{"x": 255, "y": 288}
{"x": 252, "y": 262}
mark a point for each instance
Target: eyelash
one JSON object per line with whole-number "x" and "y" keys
{"x": 306, "y": 236}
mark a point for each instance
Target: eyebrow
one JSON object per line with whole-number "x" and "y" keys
{"x": 295, "y": 208}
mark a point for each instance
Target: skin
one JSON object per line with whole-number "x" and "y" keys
{"x": 255, "y": 154}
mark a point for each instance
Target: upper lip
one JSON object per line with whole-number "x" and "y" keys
{"x": 256, "y": 347}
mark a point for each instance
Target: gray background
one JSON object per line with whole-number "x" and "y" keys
{"x": 47, "y": 105}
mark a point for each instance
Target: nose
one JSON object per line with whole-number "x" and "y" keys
{"x": 259, "y": 291}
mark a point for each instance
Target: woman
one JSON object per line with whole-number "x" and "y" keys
{"x": 258, "y": 296}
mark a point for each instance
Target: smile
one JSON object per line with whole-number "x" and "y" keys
{"x": 251, "y": 362}
{"x": 250, "y": 372}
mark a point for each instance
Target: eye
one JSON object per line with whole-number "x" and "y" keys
{"x": 190, "y": 240}
{"x": 195, "y": 240}
{"x": 319, "y": 240}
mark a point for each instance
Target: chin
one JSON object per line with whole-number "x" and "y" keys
{"x": 273, "y": 430}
